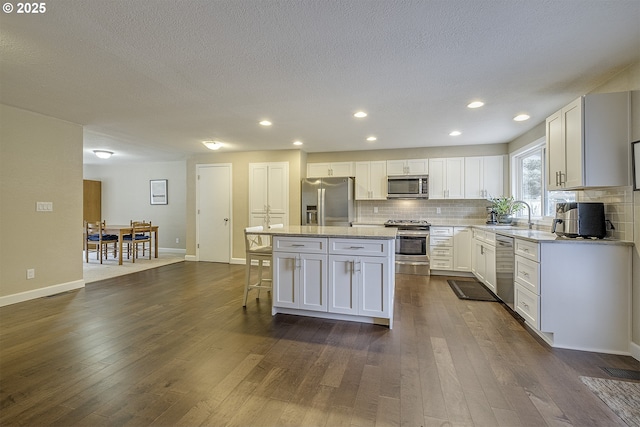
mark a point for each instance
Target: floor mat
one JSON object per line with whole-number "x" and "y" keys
{"x": 626, "y": 374}
{"x": 623, "y": 397}
{"x": 471, "y": 290}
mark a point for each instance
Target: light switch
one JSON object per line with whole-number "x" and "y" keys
{"x": 44, "y": 206}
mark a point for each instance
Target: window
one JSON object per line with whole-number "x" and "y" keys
{"x": 529, "y": 181}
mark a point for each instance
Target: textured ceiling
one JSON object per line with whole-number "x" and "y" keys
{"x": 151, "y": 79}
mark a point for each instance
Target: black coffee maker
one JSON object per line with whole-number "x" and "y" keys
{"x": 492, "y": 216}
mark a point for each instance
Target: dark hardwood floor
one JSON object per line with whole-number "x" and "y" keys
{"x": 172, "y": 346}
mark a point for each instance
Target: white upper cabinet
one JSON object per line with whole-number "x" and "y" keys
{"x": 483, "y": 177}
{"x": 588, "y": 143}
{"x": 323, "y": 170}
{"x": 408, "y": 167}
{"x": 268, "y": 193}
{"x": 446, "y": 178}
{"x": 371, "y": 180}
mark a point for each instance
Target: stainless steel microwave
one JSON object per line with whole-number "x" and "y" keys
{"x": 408, "y": 187}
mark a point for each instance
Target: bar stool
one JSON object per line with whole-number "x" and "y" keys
{"x": 258, "y": 247}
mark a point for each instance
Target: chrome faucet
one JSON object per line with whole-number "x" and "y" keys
{"x": 528, "y": 211}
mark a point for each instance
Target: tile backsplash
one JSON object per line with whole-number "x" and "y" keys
{"x": 450, "y": 211}
{"x": 618, "y": 208}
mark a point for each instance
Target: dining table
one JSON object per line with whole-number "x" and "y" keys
{"x": 122, "y": 230}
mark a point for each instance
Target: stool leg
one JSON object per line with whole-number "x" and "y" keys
{"x": 259, "y": 277}
{"x": 247, "y": 280}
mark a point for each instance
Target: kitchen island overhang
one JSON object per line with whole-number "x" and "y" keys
{"x": 342, "y": 273}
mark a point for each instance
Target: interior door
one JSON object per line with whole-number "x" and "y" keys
{"x": 213, "y": 213}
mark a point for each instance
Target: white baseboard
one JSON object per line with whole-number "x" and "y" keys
{"x": 41, "y": 292}
{"x": 239, "y": 261}
{"x": 635, "y": 350}
{"x": 172, "y": 251}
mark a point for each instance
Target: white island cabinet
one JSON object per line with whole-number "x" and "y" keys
{"x": 343, "y": 273}
{"x": 300, "y": 264}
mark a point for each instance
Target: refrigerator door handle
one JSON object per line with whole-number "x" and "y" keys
{"x": 322, "y": 201}
{"x": 319, "y": 220}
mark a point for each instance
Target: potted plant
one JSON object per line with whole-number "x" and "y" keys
{"x": 505, "y": 207}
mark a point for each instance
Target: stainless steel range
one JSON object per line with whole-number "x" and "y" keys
{"x": 412, "y": 246}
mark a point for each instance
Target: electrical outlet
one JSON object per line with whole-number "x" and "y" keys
{"x": 177, "y": 240}
{"x": 31, "y": 273}
{"x": 375, "y": 209}
{"x": 438, "y": 210}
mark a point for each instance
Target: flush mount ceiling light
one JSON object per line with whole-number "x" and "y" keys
{"x": 372, "y": 138}
{"x": 297, "y": 142}
{"x": 455, "y": 133}
{"x": 360, "y": 114}
{"x": 103, "y": 154}
{"x": 521, "y": 117}
{"x": 265, "y": 123}
{"x": 212, "y": 145}
{"x": 475, "y": 104}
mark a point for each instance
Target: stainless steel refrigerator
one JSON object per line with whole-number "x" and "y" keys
{"x": 327, "y": 201}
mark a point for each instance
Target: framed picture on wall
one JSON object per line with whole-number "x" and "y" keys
{"x": 158, "y": 191}
{"x": 635, "y": 156}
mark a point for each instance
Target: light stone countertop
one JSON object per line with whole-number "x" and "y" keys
{"x": 537, "y": 236}
{"x": 335, "y": 232}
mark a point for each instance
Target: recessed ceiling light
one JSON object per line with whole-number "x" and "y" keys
{"x": 297, "y": 142}
{"x": 103, "y": 154}
{"x": 455, "y": 133}
{"x": 475, "y": 104}
{"x": 360, "y": 114}
{"x": 521, "y": 117}
{"x": 265, "y": 123}
{"x": 212, "y": 145}
{"x": 372, "y": 138}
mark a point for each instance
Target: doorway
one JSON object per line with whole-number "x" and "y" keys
{"x": 213, "y": 212}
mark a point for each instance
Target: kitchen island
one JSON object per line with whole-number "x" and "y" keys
{"x": 342, "y": 273}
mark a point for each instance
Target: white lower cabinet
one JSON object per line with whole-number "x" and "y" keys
{"x": 358, "y": 285}
{"x": 352, "y": 277}
{"x": 441, "y": 248}
{"x": 575, "y": 294}
{"x": 301, "y": 280}
{"x": 450, "y": 248}
{"x": 527, "y": 304}
{"x": 343, "y": 295}
{"x": 483, "y": 258}
{"x": 462, "y": 249}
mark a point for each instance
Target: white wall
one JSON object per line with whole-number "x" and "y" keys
{"x": 125, "y": 197}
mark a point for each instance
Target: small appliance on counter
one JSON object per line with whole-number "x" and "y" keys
{"x": 580, "y": 219}
{"x": 492, "y": 216}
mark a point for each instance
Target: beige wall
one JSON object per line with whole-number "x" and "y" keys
{"x": 240, "y": 182}
{"x": 40, "y": 161}
{"x": 409, "y": 153}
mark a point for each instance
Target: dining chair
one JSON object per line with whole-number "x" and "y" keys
{"x": 140, "y": 234}
{"x": 257, "y": 247}
{"x": 144, "y": 245}
{"x": 95, "y": 236}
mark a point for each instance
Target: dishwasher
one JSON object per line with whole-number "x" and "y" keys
{"x": 505, "y": 265}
